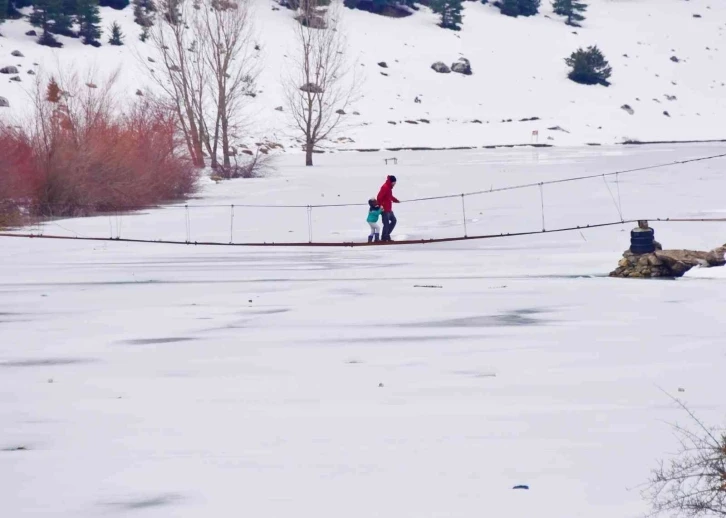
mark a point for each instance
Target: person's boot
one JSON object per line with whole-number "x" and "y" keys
{"x": 370, "y": 238}
{"x": 376, "y": 237}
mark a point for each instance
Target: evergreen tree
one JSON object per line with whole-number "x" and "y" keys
{"x": 572, "y": 9}
{"x": 529, "y": 7}
{"x": 117, "y": 37}
{"x": 143, "y": 12}
{"x": 62, "y": 25}
{"x": 450, "y": 11}
{"x": 144, "y": 33}
{"x": 89, "y": 20}
{"x": 589, "y": 67}
{"x": 114, "y": 4}
{"x": 520, "y": 7}
{"x": 10, "y": 11}
{"x": 4, "y": 10}
{"x": 510, "y": 8}
{"x": 45, "y": 12}
{"x": 70, "y": 7}
{"x": 63, "y": 21}
{"x": 139, "y": 13}
{"x": 48, "y": 40}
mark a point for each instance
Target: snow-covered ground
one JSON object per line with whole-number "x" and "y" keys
{"x": 519, "y": 73}
{"x": 173, "y": 380}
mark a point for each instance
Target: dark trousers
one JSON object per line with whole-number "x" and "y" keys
{"x": 389, "y": 223}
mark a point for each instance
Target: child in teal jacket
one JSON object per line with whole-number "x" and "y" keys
{"x": 374, "y": 212}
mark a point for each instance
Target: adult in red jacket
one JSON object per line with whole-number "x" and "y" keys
{"x": 386, "y": 199}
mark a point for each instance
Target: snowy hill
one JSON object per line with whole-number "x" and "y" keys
{"x": 518, "y": 64}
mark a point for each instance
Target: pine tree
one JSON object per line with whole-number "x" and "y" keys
{"x": 44, "y": 12}
{"x": 9, "y": 9}
{"x": 520, "y": 7}
{"x": 62, "y": 24}
{"x": 43, "y": 15}
{"x": 529, "y": 7}
{"x": 89, "y": 20}
{"x": 4, "y": 10}
{"x": 139, "y": 14}
{"x": 144, "y": 33}
{"x": 70, "y": 7}
{"x": 117, "y": 37}
{"x": 450, "y": 11}
{"x": 589, "y": 67}
{"x": 572, "y": 9}
{"x": 143, "y": 12}
{"x": 65, "y": 19}
{"x": 510, "y": 8}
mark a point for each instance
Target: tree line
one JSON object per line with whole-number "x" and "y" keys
{"x": 71, "y": 18}
{"x": 56, "y": 17}
{"x": 450, "y": 11}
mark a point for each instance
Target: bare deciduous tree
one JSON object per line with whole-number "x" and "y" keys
{"x": 207, "y": 69}
{"x": 178, "y": 76}
{"x": 225, "y": 28}
{"x": 319, "y": 85}
{"x": 693, "y": 483}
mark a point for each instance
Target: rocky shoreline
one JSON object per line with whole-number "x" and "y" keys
{"x": 666, "y": 264}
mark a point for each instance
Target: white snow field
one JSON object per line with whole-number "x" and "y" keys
{"x": 518, "y": 64}
{"x": 159, "y": 380}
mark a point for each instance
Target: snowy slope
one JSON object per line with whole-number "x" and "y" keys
{"x": 188, "y": 382}
{"x": 518, "y": 65}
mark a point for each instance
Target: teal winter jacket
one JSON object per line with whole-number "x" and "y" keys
{"x": 374, "y": 214}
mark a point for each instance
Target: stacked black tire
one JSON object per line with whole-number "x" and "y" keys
{"x": 642, "y": 241}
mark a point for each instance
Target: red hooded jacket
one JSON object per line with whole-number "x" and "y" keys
{"x": 385, "y": 196}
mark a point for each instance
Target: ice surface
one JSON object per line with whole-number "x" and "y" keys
{"x": 162, "y": 380}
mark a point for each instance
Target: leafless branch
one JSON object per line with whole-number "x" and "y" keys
{"x": 692, "y": 484}
{"x": 320, "y": 84}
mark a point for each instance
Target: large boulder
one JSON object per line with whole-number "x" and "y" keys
{"x": 462, "y": 66}
{"x": 4, "y": 103}
{"x": 441, "y": 68}
{"x": 667, "y": 263}
{"x": 9, "y": 70}
{"x": 17, "y": 54}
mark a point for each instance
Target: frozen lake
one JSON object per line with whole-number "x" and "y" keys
{"x": 423, "y": 380}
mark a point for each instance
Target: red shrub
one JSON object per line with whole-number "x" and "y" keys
{"x": 19, "y": 178}
{"x": 80, "y": 155}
